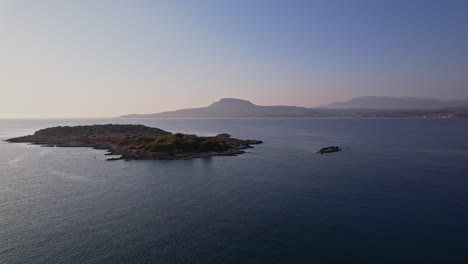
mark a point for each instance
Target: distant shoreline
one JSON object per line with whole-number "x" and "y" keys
{"x": 237, "y": 108}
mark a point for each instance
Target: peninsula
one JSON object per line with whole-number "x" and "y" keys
{"x": 363, "y": 107}
{"x": 138, "y": 142}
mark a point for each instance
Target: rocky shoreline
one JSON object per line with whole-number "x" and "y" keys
{"x": 138, "y": 142}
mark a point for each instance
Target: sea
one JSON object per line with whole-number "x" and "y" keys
{"x": 397, "y": 193}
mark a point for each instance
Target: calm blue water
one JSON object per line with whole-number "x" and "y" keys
{"x": 398, "y": 193}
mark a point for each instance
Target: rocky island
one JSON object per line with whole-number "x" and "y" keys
{"x": 138, "y": 141}
{"x": 329, "y": 149}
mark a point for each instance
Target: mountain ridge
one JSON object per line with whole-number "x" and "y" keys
{"x": 387, "y": 102}
{"x": 359, "y": 107}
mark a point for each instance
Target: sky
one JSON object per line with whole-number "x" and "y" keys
{"x": 105, "y": 58}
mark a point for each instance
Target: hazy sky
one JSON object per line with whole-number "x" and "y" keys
{"x": 92, "y": 58}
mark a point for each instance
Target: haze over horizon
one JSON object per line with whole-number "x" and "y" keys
{"x": 110, "y": 58}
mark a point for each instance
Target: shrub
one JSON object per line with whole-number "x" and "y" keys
{"x": 176, "y": 143}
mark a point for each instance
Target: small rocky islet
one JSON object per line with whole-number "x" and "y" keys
{"x": 138, "y": 142}
{"x": 329, "y": 149}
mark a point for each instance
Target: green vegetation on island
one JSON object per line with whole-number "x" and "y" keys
{"x": 176, "y": 143}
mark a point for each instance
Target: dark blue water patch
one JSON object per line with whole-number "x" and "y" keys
{"x": 396, "y": 194}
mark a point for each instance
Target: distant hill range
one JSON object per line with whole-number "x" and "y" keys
{"x": 230, "y": 107}
{"x": 385, "y": 102}
{"x": 359, "y": 107}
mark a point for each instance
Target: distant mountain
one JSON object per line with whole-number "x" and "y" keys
{"x": 385, "y": 102}
{"x": 359, "y": 107}
{"x": 231, "y": 107}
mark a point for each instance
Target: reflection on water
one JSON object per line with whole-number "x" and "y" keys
{"x": 396, "y": 194}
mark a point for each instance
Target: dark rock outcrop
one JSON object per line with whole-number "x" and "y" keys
{"x": 329, "y": 149}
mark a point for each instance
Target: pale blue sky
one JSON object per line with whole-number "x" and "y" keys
{"x": 94, "y": 58}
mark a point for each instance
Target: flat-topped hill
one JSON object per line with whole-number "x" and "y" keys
{"x": 370, "y": 106}
{"x": 108, "y": 129}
